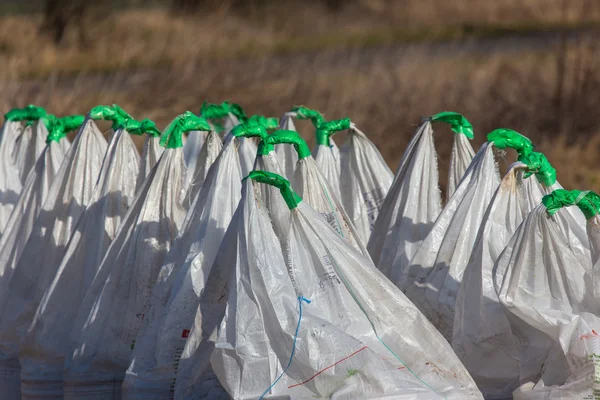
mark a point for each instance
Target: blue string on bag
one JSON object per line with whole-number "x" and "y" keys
{"x": 300, "y": 300}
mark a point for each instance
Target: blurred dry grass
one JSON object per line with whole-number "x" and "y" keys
{"x": 156, "y": 65}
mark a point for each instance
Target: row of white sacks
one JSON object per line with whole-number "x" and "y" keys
{"x": 137, "y": 279}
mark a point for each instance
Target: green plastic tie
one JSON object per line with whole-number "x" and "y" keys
{"x": 303, "y": 112}
{"x": 238, "y": 111}
{"x": 587, "y": 201}
{"x": 284, "y": 136}
{"x": 250, "y": 130}
{"x": 538, "y": 165}
{"x": 212, "y": 111}
{"x": 290, "y": 197}
{"x": 27, "y": 113}
{"x": 329, "y": 128}
{"x": 59, "y": 127}
{"x": 113, "y": 113}
{"x": 503, "y": 138}
{"x": 148, "y": 127}
{"x": 172, "y": 136}
{"x": 267, "y": 123}
{"x": 458, "y": 123}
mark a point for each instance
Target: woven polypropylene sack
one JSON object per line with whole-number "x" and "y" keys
{"x": 413, "y": 202}
{"x": 69, "y": 195}
{"x": 29, "y": 147}
{"x": 460, "y": 158}
{"x": 159, "y": 345}
{"x": 207, "y": 156}
{"x": 433, "y": 277}
{"x": 23, "y": 218}
{"x": 329, "y": 163}
{"x": 150, "y": 155}
{"x": 286, "y": 155}
{"x": 10, "y": 186}
{"x": 365, "y": 181}
{"x": 103, "y": 344}
{"x": 352, "y": 321}
{"x": 482, "y": 337}
{"x": 543, "y": 287}
{"x": 191, "y": 152}
{"x": 46, "y": 344}
{"x": 314, "y": 188}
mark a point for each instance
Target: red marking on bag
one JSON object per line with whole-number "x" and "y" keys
{"x": 185, "y": 333}
{"x": 325, "y": 369}
{"x": 588, "y": 335}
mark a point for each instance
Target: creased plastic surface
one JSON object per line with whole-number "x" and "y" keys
{"x": 461, "y": 157}
{"x": 482, "y": 336}
{"x": 152, "y": 372}
{"x": 287, "y": 156}
{"x": 551, "y": 307}
{"x": 209, "y": 153}
{"x": 316, "y": 191}
{"x": 411, "y": 207}
{"x": 365, "y": 181}
{"x": 329, "y": 163}
{"x": 123, "y": 284}
{"x": 69, "y": 195}
{"x": 150, "y": 155}
{"x": 21, "y": 224}
{"x": 29, "y": 146}
{"x": 432, "y": 279}
{"x": 352, "y": 321}
{"x": 191, "y": 150}
{"x": 10, "y": 188}
{"x": 46, "y": 344}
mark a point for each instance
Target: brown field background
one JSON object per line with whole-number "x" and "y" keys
{"x": 532, "y": 66}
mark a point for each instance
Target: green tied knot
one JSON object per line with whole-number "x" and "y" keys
{"x": 172, "y": 137}
{"x": 587, "y": 201}
{"x": 503, "y": 138}
{"x": 326, "y": 129}
{"x": 212, "y": 111}
{"x": 59, "y": 127}
{"x": 303, "y": 112}
{"x": 27, "y": 113}
{"x": 249, "y": 130}
{"x": 284, "y": 136}
{"x": 538, "y": 165}
{"x": 113, "y": 113}
{"x": 290, "y": 197}
{"x": 458, "y": 123}
{"x": 267, "y": 123}
{"x": 136, "y": 127}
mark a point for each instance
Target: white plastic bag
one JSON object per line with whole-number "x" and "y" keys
{"x": 22, "y": 219}
{"x": 327, "y": 157}
{"x": 10, "y": 188}
{"x": 414, "y": 200}
{"x": 191, "y": 152}
{"x": 208, "y": 154}
{"x": 312, "y": 186}
{"x": 122, "y": 287}
{"x": 460, "y": 158}
{"x": 70, "y": 193}
{"x": 46, "y": 344}
{"x": 150, "y": 155}
{"x": 30, "y": 145}
{"x": 365, "y": 181}
{"x": 152, "y": 372}
{"x": 285, "y": 154}
{"x": 543, "y": 287}
{"x": 482, "y": 336}
{"x": 323, "y": 305}
{"x": 434, "y": 274}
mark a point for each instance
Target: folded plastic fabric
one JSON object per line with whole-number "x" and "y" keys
{"x": 46, "y": 343}
{"x": 154, "y": 365}
{"x": 287, "y": 321}
{"x": 103, "y": 344}
{"x": 414, "y": 200}
{"x": 69, "y": 195}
